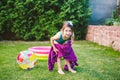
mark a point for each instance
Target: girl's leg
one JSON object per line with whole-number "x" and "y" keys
{"x": 60, "y": 71}
{"x": 69, "y": 67}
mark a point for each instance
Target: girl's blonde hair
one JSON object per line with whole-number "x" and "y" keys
{"x": 67, "y": 24}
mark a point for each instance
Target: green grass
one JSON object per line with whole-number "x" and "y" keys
{"x": 95, "y": 63}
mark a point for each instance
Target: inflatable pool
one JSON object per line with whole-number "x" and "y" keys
{"x": 41, "y": 52}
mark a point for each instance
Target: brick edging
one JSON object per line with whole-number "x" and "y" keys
{"x": 104, "y": 35}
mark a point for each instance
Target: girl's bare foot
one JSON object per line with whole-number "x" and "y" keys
{"x": 73, "y": 71}
{"x": 60, "y": 72}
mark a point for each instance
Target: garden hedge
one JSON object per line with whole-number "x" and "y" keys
{"x": 40, "y": 19}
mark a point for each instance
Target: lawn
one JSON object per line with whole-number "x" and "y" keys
{"x": 95, "y": 63}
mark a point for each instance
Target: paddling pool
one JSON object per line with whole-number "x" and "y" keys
{"x": 41, "y": 52}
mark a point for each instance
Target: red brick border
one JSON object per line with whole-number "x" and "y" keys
{"x": 104, "y": 35}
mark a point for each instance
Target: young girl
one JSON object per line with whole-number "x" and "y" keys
{"x": 61, "y": 48}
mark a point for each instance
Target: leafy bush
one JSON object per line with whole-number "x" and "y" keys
{"x": 115, "y": 20}
{"x": 40, "y": 19}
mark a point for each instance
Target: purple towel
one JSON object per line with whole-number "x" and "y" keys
{"x": 64, "y": 51}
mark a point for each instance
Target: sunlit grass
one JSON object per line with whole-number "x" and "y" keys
{"x": 95, "y": 63}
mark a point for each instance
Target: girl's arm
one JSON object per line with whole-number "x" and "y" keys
{"x": 52, "y": 39}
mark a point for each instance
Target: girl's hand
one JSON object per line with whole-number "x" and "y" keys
{"x": 55, "y": 50}
{"x": 52, "y": 39}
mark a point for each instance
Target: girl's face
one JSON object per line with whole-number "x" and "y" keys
{"x": 67, "y": 32}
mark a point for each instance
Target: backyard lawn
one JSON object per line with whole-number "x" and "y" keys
{"x": 95, "y": 63}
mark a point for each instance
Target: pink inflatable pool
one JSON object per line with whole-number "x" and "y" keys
{"x": 40, "y": 51}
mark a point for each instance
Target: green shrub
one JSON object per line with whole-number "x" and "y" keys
{"x": 115, "y": 19}
{"x": 40, "y": 19}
